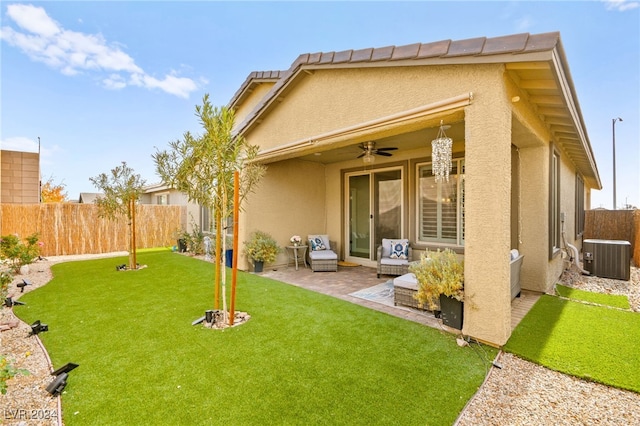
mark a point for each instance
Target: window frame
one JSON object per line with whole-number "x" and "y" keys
{"x": 460, "y": 197}
{"x": 580, "y": 209}
{"x": 555, "y": 223}
{"x": 162, "y": 195}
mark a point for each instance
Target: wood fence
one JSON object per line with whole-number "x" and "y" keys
{"x": 615, "y": 225}
{"x": 69, "y": 228}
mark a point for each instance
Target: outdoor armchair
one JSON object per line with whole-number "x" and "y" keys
{"x": 321, "y": 255}
{"x": 394, "y": 256}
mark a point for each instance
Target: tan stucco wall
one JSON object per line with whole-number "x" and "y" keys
{"x": 534, "y": 211}
{"x": 335, "y": 99}
{"x": 488, "y": 219}
{"x": 329, "y": 100}
{"x": 257, "y": 93}
{"x": 20, "y": 177}
{"x": 539, "y": 273}
{"x": 289, "y": 200}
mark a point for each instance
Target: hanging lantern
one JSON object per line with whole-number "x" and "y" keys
{"x": 441, "y": 155}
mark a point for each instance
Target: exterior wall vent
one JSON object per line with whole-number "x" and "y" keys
{"x": 607, "y": 258}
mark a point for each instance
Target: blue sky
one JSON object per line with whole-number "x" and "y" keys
{"x": 104, "y": 82}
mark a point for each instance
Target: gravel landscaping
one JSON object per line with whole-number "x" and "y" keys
{"x": 519, "y": 393}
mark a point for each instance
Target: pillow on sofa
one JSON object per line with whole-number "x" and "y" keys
{"x": 399, "y": 249}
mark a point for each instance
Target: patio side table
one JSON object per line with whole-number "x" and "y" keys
{"x": 297, "y": 253}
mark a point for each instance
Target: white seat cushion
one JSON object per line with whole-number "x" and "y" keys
{"x": 408, "y": 281}
{"x": 323, "y": 255}
{"x": 393, "y": 262}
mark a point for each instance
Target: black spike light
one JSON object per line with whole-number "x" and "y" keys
{"x": 38, "y": 327}
{"x": 58, "y": 384}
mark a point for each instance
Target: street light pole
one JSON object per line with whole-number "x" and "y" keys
{"x": 613, "y": 128}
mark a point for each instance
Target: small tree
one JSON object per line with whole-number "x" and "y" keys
{"x": 17, "y": 252}
{"x": 52, "y": 192}
{"x": 203, "y": 167}
{"x": 121, "y": 189}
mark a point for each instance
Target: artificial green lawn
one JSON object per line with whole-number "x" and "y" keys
{"x": 302, "y": 358}
{"x": 592, "y": 342}
{"x": 614, "y": 300}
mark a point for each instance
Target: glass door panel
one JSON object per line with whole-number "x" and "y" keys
{"x": 387, "y": 206}
{"x": 359, "y": 216}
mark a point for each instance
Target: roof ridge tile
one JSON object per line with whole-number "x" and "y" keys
{"x": 408, "y": 51}
{"x": 382, "y": 53}
{"x": 326, "y": 58}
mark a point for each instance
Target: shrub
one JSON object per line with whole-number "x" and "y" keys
{"x": 7, "y": 371}
{"x": 194, "y": 240}
{"x": 17, "y": 252}
{"x": 262, "y": 247}
{"x": 5, "y": 279}
{"x": 438, "y": 273}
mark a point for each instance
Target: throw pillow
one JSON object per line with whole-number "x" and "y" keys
{"x": 317, "y": 244}
{"x": 399, "y": 250}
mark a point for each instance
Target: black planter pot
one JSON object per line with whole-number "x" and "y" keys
{"x": 451, "y": 312}
{"x": 258, "y": 265}
{"x": 182, "y": 245}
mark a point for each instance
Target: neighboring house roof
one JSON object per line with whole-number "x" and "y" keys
{"x": 89, "y": 197}
{"x": 155, "y": 187}
{"x": 536, "y": 62}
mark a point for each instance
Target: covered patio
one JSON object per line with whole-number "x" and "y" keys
{"x": 351, "y": 279}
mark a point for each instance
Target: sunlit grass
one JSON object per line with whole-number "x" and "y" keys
{"x": 302, "y": 358}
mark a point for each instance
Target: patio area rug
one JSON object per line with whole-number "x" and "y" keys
{"x": 381, "y": 293}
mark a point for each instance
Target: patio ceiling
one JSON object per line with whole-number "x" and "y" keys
{"x": 405, "y": 141}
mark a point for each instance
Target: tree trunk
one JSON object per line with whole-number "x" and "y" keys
{"x": 234, "y": 265}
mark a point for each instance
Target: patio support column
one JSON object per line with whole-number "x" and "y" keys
{"x": 487, "y": 309}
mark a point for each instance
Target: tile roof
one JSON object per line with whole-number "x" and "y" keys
{"x": 516, "y": 51}
{"x": 445, "y": 49}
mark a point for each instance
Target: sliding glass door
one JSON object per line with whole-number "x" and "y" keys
{"x": 374, "y": 211}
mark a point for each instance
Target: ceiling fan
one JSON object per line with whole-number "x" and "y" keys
{"x": 369, "y": 149}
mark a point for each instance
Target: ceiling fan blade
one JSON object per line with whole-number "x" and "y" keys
{"x": 384, "y": 154}
{"x": 387, "y": 149}
{"x": 361, "y": 155}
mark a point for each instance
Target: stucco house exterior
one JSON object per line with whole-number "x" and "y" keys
{"x": 194, "y": 214}
{"x": 522, "y": 167}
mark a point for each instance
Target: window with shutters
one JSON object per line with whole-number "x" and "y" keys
{"x": 441, "y": 205}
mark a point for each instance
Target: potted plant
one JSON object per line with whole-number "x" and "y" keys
{"x": 261, "y": 248}
{"x": 440, "y": 277}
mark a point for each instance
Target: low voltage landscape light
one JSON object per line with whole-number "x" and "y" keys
{"x": 58, "y": 384}
{"x": 38, "y": 327}
{"x": 9, "y": 302}
{"x": 209, "y": 316}
{"x": 23, "y": 284}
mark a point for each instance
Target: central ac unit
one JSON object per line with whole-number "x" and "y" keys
{"x": 607, "y": 258}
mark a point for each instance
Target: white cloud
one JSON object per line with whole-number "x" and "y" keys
{"x": 114, "y": 82}
{"x": 20, "y": 143}
{"x": 621, "y": 5}
{"x": 178, "y": 86}
{"x": 524, "y": 24}
{"x": 71, "y": 52}
{"x": 25, "y": 144}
